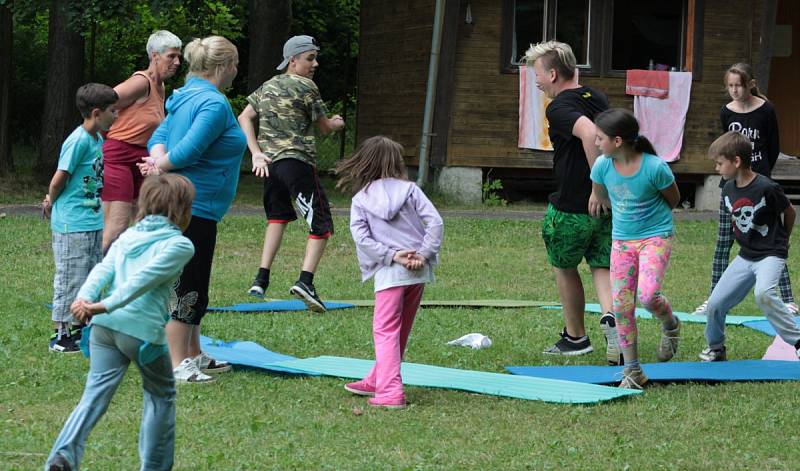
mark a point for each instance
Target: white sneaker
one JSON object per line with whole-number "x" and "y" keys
{"x": 210, "y": 366}
{"x": 701, "y": 309}
{"x": 188, "y": 372}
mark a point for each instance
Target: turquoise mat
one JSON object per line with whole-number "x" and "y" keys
{"x": 683, "y": 316}
{"x": 496, "y": 384}
{"x": 276, "y": 306}
{"x": 248, "y": 354}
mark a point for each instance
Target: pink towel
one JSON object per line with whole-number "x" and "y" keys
{"x": 780, "y": 350}
{"x": 662, "y": 120}
{"x": 651, "y": 83}
{"x": 533, "y": 127}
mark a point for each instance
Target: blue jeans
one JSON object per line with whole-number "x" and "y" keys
{"x": 737, "y": 280}
{"x": 111, "y": 353}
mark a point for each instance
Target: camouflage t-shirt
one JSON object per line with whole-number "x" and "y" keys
{"x": 287, "y": 105}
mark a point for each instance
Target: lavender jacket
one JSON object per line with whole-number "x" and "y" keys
{"x": 391, "y": 215}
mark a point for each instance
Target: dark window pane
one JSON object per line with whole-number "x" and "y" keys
{"x": 528, "y": 26}
{"x": 572, "y": 27}
{"x": 645, "y": 31}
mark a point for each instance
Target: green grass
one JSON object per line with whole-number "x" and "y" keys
{"x": 251, "y": 420}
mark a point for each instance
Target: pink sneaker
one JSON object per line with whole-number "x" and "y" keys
{"x": 360, "y": 388}
{"x": 388, "y": 404}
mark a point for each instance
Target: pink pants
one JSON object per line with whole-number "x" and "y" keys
{"x": 638, "y": 265}
{"x": 395, "y": 309}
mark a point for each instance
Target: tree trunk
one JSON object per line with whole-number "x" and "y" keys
{"x": 269, "y": 29}
{"x": 65, "y": 56}
{"x": 6, "y": 36}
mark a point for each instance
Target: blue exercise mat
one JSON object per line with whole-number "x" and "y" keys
{"x": 765, "y": 327}
{"x": 249, "y": 354}
{"x": 497, "y": 384}
{"x": 739, "y": 370}
{"x": 683, "y": 316}
{"x": 275, "y": 306}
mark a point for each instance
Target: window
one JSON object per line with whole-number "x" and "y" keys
{"x": 647, "y": 31}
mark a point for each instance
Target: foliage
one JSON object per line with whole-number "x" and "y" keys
{"x": 490, "y": 191}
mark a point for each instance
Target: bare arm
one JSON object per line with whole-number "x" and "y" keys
{"x": 672, "y": 195}
{"x": 247, "y": 118}
{"x": 57, "y": 184}
{"x": 328, "y": 125}
{"x": 600, "y": 198}
{"x": 132, "y": 90}
{"x": 585, "y": 130}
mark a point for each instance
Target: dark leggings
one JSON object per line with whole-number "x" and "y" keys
{"x": 192, "y": 287}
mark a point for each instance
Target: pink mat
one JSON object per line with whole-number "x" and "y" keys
{"x": 780, "y": 350}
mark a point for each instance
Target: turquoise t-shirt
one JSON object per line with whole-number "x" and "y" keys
{"x": 638, "y": 210}
{"x": 78, "y": 207}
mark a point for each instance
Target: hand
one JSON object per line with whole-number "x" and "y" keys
{"x": 596, "y": 208}
{"x": 261, "y": 165}
{"x": 416, "y": 261}
{"x": 148, "y": 166}
{"x": 409, "y": 259}
{"x": 337, "y": 122}
{"x": 47, "y": 207}
{"x": 80, "y": 311}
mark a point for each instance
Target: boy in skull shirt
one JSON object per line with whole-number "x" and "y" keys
{"x": 756, "y": 204}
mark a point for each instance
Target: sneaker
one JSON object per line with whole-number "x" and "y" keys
{"x": 793, "y": 309}
{"x": 210, "y": 366}
{"x": 360, "y": 388}
{"x": 74, "y": 331}
{"x": 710, "y": 354}
{"x": 568, "y": 347}
{"x": 401, "y": 404}
{"x": 59, "y": 463}
{"x": 65, "y": 344}
{"x": 668, "y": 346}
{"x": 633, "y": 379}
{"x": 259, "y": 288}
{"x": 188, "y": 372}
{"x": 701, "y": 309}
{"x": 613, "y": 352}
{"x": 308, "y": 295}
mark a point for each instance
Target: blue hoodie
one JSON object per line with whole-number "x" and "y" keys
{"x": 141, "y": 268}
{"x": 205, "y": 144}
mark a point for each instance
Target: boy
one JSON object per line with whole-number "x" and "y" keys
{"x": 756, "y": 204}
{"x": 75, "y": 211}
{"x": 284, "y": 155}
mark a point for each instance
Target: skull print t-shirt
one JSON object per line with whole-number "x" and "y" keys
{"x": 756, "y": 213}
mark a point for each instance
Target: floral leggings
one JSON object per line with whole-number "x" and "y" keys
{"x": 638, "y": 265}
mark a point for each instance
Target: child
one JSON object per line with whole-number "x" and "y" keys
{"x": 127, "y": 325}
{"x": 751, "y": 114}
{"x": 641, "y": 191}
{"x": 398, "y": 233}
{"x": 73, "y": 204}
{"x": 756, "y": 204}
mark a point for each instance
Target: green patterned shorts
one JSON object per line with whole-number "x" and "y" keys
{"x": 570, "y": 237}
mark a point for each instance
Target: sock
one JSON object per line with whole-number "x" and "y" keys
{"x": 631, "y": 356}
{"x": 263, "y": 274}
{"x": 633, "y": 365}
{"x": 670, "y": 324}
{"x": 306, "y": 277}
{"x": 573, "y": 339}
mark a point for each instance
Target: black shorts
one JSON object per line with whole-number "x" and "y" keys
{"x": 192, "y": 287}
{"x": 291, "y": 180}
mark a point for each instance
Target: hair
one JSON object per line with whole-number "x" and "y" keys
{"x": 730, "y": 145}
{"x": 160, "y": 41}
{"x": 377, "y": 157}
{"x": 208, "y": 56}
{"x": 554, "y": 55}
{"x": 745, "y": 73}
{"x": 619, "y": 122}
{"x": 94, "y": 95}
{"x": 169, "y": 195}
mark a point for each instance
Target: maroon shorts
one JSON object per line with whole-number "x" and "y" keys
{"x": 121, "y": 177}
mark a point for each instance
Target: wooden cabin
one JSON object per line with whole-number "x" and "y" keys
{"x": 475, "y": 120}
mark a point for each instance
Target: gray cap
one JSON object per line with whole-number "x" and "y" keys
{"x": 297, "y": 45}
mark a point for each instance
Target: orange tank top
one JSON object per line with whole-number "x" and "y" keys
{"x": 136, "y": 123}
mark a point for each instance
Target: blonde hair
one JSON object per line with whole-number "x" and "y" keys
{"x": 745, "y": 73}
{"x": 208, "y": 56}
{"x": 377, "y": 157}
{"x": 555, "y": 55}
{"x": 169, "y": 195}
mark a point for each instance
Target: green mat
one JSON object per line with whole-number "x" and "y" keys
{"x": 498, "y": 303}
{"x": 496, "y": 384}
{"x": 683, "y": 316}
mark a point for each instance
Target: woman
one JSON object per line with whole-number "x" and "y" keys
{"x": 141, "y": 110}
{"x": 200, "y": 139}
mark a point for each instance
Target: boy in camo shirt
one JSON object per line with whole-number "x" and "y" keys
{"x": 286, "y": 106}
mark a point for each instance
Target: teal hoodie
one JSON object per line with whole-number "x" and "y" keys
{"x": 205, "y": 144}
{"x": 140, "y": 268}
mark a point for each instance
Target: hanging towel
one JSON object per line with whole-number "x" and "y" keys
{"x": 533, "y": 125}
{"x": 662, "y": 120}
{"x": 652, "y": 83}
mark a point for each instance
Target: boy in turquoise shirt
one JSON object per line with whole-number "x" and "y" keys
{"x": 74, "y": 208}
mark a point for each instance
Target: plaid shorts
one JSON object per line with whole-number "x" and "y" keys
{"x": 75, "y": 254}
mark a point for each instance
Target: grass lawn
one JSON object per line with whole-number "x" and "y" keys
{"x": 250, "y": 420}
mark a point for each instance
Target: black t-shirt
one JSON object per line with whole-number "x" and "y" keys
{"x": 569, "y": 161}
{"x": 761, "y": 127}
{"x": 756, "y": 213}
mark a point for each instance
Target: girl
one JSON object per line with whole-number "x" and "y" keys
{"x": 398, "y": 233}
{"x": 127, "y": 324}
{"x": 641, "y": 191}
{"x": 751, "y": 114}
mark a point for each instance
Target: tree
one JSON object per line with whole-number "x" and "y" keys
{"x": 269, "y": 25}
{"x": 6, "y": 42}
{"x": 65, "y": 59}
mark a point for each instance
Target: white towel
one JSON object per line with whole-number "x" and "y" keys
{"x": 661, "y": 120}
{"x": 533, "y": 127}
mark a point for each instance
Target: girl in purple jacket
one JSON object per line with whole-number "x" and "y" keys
{"x": 398, "y": 233}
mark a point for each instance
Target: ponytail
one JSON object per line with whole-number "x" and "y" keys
{"x": 643, "y": 145}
